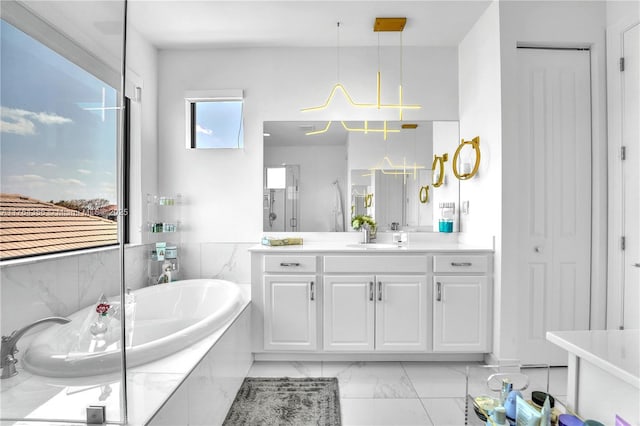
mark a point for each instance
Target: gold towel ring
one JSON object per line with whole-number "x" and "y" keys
{"x": 424, "y": 194}
{"x": 368, "y": 200}
{"x": 475, "y": 144}
{"x": 439, "y": 162}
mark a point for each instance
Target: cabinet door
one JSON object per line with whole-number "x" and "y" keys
{"x": 348, "y": 313}
{"x": 401, "y": 313}
{"x": 290, "y": 312}
{"x": 460, "y": 314}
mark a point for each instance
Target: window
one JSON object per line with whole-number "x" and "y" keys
{"x": 214, "y": 120}
{"x": 58, "y": 154}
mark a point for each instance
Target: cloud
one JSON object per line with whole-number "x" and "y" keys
{"x": 49, "y": 165}
{"x": 84, "y": 171}
{"x": 63, "y": 181}
{"x": 22, "y": 122}
{"x": 26, "y": 179}
{"x": 203, "y": 130}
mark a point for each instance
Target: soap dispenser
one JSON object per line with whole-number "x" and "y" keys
{"x": 447, "y": 212}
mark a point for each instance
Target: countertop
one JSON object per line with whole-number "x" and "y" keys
{"x": 377, "y": 247}
{"x": 615, "y": 351}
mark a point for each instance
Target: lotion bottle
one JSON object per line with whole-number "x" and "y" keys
{"x": 545, "y": 413}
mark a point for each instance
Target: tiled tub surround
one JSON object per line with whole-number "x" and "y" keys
{"x": 218, "y": 363}
{"x": 59, "y": 285}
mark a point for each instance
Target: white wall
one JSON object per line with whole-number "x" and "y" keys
{"x": 320, "y": 166}
{"x": 553, "y": 24}
{"x": 223, "y": 188}
{"x": 445, "y": 140}
{"x": 623, "y": 11}
{"x": 480, "y": 115}
{"x": 488, "y": 108}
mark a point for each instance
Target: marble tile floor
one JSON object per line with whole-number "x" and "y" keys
{"x": 400, "y": 393}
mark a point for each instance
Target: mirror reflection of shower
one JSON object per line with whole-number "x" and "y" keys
{"x": 280, "y": 198}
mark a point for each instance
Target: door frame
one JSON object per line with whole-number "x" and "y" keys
{"x": 615, "y": 256}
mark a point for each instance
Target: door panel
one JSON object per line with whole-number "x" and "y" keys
{"x": 460, "y": 314}
{"x": 401, "y": 313}
{"x": 348, "y": 313}
{"x": 555, "y": 164}
{"x": 631, "y": 177}
{"x": 290, "y": 313}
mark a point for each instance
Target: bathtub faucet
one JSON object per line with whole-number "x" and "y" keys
{"x": 9, "y": 349}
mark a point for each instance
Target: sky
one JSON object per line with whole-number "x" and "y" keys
{"x": 57, "y": 140}
{"x": 219, "y": 124}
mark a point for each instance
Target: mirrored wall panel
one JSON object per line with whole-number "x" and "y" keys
{"x": 319, "y": 175}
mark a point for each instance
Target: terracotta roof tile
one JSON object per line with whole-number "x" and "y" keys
{"x": 30, "y": 227}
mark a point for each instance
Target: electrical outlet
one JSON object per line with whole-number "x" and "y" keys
{"x": 465, "y": 207}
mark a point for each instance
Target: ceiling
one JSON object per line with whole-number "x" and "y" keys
{"x": 185, "y": 24}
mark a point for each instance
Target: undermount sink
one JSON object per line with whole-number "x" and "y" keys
{"x": 373, "y": 246}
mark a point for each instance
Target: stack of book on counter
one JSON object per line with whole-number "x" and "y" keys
{"x": 272, "y": 241}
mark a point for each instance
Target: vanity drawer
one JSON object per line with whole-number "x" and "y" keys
{"x": 457, "y": 263}
{"x": 376, "y": 264}
{"x": 290, "y": 264}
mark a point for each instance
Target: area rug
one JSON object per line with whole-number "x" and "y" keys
{"x": 286, "y": 401}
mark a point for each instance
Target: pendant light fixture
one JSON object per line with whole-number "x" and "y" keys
{"x": 380, "y": 25}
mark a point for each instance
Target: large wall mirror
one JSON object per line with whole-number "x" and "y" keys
{"x": 318, "y": 175}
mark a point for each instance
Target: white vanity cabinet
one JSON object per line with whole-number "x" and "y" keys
{"x": 290, "y": 300}
{"x": 461, "y": 296}
{"x": 377, "y": 311}
{"x": 337, "y": 303}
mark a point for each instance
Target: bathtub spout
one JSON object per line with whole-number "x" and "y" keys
{"x": 9, "y": 349}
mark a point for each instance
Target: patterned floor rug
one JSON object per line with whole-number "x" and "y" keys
{"x": 286, "y": 401}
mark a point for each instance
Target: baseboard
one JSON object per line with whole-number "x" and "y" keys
{"x": 356, "y": 357}
{"x": 491, "y": 359}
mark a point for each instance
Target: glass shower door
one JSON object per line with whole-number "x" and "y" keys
{"x": 281, "y": 199}
{"x": 62, "y": 96}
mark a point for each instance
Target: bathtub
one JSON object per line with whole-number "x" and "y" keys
{"x": 166, "y": 319}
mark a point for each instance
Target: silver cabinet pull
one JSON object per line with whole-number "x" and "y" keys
{"x": 637, "y": 265}
{"x": 289, "y": 264}
{"x": 438, "y": 291}
{"x": 313, "y": 292}
{"x": 371, "y": 291}
{"x": 380, "y": 291}
{"x": 461, "y": 263}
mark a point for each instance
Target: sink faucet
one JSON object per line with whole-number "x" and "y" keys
{"x": 9, "y": 349}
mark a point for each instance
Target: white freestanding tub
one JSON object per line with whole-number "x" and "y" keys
{"x": 166, "y": 318}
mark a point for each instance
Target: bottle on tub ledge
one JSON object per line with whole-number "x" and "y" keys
{"x": 165, "y": 277}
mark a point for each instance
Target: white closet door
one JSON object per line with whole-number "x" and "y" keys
{"x": 555, "y": 201}
{"x": 631, "y": 176}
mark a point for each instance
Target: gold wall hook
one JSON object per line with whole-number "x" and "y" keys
{"x": 475, "y": 144}
{"x": 438, "y": 161}
{"x": 423, "y": 194}
{"x": 368, "y": 199}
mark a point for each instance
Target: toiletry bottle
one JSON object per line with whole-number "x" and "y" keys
{"x": 504, "y": 392}
{"x": 447, "y": 211}
{"x": 498, "y": 417}
{"x": 545, "y": 413}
